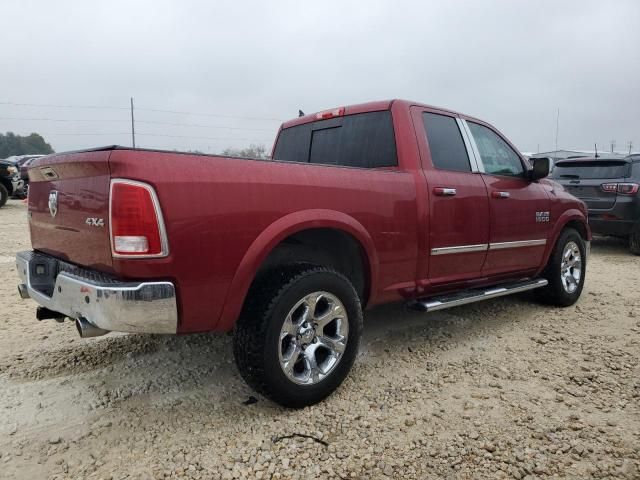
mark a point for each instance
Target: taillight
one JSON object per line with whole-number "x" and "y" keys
{"x": 336, "y": 112}
{"x": 137, "y": 227}
{"x": 621, "y": 188}
{"x": 628, "y": 188}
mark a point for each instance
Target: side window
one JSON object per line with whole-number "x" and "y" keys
{"x": 364, "y": 140}
{"x": 445, "y": 143}
{"x": 497, "y": 156}
{"x": 293, "y": 144}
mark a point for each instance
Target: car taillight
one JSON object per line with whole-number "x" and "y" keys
{"x": 137, "y": 227}
{"x": 621, "y": 188}
{"x": 628, "y": 188}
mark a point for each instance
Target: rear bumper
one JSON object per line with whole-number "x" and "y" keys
{"x": 104, "y": 302}
{"x": 621, "y": 220}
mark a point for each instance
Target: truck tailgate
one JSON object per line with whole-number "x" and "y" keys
{"x": 69, "y": 207}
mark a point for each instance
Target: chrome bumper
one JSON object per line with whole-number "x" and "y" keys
{"x": 18, "y": 184}
{"x": 106, "y": 303}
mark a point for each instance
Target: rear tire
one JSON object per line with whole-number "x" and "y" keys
{"x": 298, "y": 334}
{"x": 565, "y": 271}
{"x": 4, "y": 195}
{"x": 634, "y": 242}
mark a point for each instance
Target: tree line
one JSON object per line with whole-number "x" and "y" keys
{"x": 12, "y": 144}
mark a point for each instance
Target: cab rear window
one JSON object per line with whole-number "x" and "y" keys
{"x": 364, "y": 140}
{"x": 592, "y": 169}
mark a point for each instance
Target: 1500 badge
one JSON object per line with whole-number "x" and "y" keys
{"x": 94, "y": 222}
{"x": 542, "y": 217}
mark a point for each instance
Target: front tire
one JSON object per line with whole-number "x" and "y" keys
{"x": 298, "y": 335}
{"x": 4, "y": 195}
{"x": 565, "y": 271}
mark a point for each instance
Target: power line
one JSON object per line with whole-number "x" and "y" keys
{"x": 160, "y": 135}
{"x": 205, "y": 126}
{"x": 89, "y": 134}
{"x": 61, "y": 119}
{"x": 157, "y": 110}
{"x": 206, "y": 138}
{"x": 209, "y": 114}
{"x": 62, "y": 106}
{"x": 173, "y": 124}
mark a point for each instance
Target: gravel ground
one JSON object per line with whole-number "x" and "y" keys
{"x": 500, "y": 389}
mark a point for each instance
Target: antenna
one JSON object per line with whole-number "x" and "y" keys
{"x": 133, "y": 127}
{"x": 557, "y": 128}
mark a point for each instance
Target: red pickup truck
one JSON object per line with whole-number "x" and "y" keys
{"x": 361, "y": 205}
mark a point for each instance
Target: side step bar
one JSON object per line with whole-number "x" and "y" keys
{"x": 441, "y": 302}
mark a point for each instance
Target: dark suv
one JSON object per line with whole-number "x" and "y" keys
{"x": 610, "y": 188}
{"x": 10, "y": 181}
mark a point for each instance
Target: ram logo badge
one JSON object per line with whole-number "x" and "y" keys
{"x": 53, "y": 202}
{"x": 94, "y": 222}
{"x": 542, "y": 217}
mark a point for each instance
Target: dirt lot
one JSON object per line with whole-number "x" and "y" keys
{"x": 501, "y": 389}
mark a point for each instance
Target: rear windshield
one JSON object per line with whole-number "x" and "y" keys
{"x": 591, "y": 169}
{"x": 364, "y": 140}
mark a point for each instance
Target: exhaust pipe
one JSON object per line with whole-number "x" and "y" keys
{"x": 87, "y": 329}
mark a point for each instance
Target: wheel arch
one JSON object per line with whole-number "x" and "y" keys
{"x": 287, "y": 227}
{"x": 572, "y": 218}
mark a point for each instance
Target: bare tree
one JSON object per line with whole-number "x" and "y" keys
{"x": 252, "y": 151}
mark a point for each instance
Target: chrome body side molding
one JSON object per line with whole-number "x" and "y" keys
{"x": 484, "y": 246}
{"x": 481, "y": 247}
{"x": 519, "y": 244}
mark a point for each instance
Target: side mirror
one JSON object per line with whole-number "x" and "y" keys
{"x": 540, "y": 168}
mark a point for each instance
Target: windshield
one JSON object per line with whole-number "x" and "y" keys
{"x": 591, "y": 169}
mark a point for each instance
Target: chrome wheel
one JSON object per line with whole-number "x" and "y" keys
{"x": 571, "y": 268}
{"x": 313, "y": 338}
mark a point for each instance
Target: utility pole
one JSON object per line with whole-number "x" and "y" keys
{"x": 613, "y": 145}
{"x": 557, "y": 128}
{"x": 133, "y": 126}
{"x": 630, "y": 143}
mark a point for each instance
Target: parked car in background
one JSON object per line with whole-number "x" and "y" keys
{"x": 22, "y": 163}
{"x": 361, "y": 205}
{"x": 10, "y": 181}
{"x": 610, "y": 188}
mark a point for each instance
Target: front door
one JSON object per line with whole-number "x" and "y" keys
{"x": 519, "y": 208}
{"x": 458, "y": 205}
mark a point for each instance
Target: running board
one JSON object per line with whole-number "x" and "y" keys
{"x": 441, "y": 302}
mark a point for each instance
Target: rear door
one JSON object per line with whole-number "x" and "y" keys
{"x": 458, "y": 205}
{"x": 519, "y": 209}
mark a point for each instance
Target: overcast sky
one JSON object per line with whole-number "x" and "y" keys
{"x": 512, "y": 63}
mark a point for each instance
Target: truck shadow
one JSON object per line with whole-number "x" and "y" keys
{"x": 135, "y": 365}
{"x": 610, "y": 246}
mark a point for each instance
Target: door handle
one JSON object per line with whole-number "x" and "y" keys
{"x": 496, "y": 194}
{"x": 444, "y": 191}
